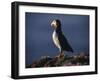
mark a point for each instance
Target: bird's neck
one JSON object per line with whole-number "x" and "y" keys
{"x": 58, "y": 30}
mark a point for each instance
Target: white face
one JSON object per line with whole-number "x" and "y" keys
{"x": 54, "y": 24}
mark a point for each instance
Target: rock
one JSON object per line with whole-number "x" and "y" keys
{"x": 61, "y": 60}
{"x": 43, "y": 61}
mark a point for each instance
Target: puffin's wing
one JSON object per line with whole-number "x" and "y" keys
{"x": 64, "y": 43}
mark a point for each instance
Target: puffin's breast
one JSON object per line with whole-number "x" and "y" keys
{"x": 55, "y": 39}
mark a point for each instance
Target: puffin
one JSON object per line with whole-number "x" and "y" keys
{"x": 59, "y": 39}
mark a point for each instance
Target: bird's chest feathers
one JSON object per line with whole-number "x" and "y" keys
{"x": 56, "y": 40}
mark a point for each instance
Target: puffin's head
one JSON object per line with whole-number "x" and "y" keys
{"x": 56, "y": 23}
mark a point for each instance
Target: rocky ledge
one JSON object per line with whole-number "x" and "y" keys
{"x": 47, "y": 61}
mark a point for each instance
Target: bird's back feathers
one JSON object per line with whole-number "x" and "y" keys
{"x": 64, "y": 42}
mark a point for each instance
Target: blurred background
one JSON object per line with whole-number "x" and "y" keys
{"x": 39, "y": 34}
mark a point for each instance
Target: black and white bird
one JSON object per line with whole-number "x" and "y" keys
{"x": 59, "y": 39}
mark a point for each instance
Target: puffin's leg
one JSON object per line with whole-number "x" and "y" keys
{"x": 61, "y": 58}
{"x": 61, "y": 54}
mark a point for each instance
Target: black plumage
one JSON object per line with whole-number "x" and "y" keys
{"x": 63, "y": 42}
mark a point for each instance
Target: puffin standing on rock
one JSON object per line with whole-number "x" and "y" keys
{"x": 59, "y": 39}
